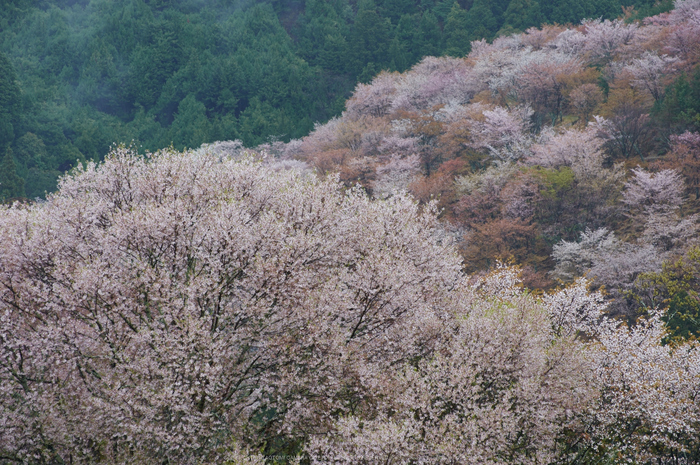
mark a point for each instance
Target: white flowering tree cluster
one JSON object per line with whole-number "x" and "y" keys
{"x": 165, "y": 308}
{"x": 653, "y": 202}
{"x": 199, "y": 308}
{"x": 605, "y": 259}
{"x": 530, "y": 139}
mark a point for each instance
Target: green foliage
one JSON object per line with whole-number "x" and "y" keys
{"x": 81, "y": 75}
{"x": 677, "y": 289}
{"x": 99, "y": 72}
{"x": 322, "y": 32}
{"x": 680, "y": 106}
{"x": 191, "y": 125}
{"x": 555, "y": 181}
{"x": 403, "y": 51}
{"x": 442, "y": 9}
{"x": 394, "y": 9}
{"x": 523, "y": 14}
{"x": 369, "y": 42}
{"x": 11, "y": 185}
{"x": 457, "y": 37}
{"x": 683, "y": 316}
{"x": 9, "y": 101}
{"x": 428, "y": 39}
{"x": 153, "y": 64}
{"x": 259, "y": 120}
{"x": 572, "y": 11}
{"x": 480, "y": 21}
{"x": 646, "y": 9}
{"x": 40, "y": 182}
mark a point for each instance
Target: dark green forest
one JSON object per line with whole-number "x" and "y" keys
{"x": 77, "y": 76}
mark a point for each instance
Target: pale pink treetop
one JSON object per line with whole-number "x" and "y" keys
{"x": 503, "y": 133}
{"x": 153, "y": 307}
{"x": 605, "y": 38}
{"x": 654, "y": 192}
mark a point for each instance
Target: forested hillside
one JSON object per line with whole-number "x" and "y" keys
{"x": 570, "y": 151}
{"x": 490, "y": 254}
{"x": 207, "y": 307}
{"x": 77, "y": 76}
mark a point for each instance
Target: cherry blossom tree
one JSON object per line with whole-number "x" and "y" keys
{"x": 654, "y": 200}
{"x": 684, "y": 156}
{"x": 604, "y": 39}
{"x": 499, "y": 69}
{"x": 435, "y": 81}
{"x": 567, "y": 148}
{"x": 579, "y": 386}
{"x": 648, "y": 71}
{"x": 628, "y": 132}
{"x": 503, "y": 133}
{"x": 683, "y": 38}
{"x": 570, "y": 41}
{"x": 208, "y": 306}
{"x": 187, "y": 306}
{"x": 574, "y": 259}
{"x": 396, "y": 176}
{"x": 654, "y": 192}
{"x": 583, "y": 188}
{"x": 197, "y": 308}
{"x": 499, "y": 391}
{"x": 648, "y": 407}
{"x": 607, "y": 261}
{"x": 372, "y": 99}
{"x": 543, "y": 83}
{"x": 539, "y": 38}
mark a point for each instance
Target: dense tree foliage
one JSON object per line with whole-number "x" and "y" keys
{"x": 199, "y": 307}
{"x": 9, "y": 102}
{"x": 11, "y": 185}
{"x": 182, "y": 73}
{"x": 78, "y": 76}
{"x": 340, "y": 297}
{"x": 571, "y": 151}
{"x": 677, "y": 287}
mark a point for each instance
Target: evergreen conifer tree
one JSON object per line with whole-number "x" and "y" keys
{"x": 523, "y": 14}
{"x": 567, "y": 11}
{"x": 456, "y": 32}
{"x": 406, "y": 35}
{"x": 9, "y": 101}
{"x": 480, "y": 21}
{"x": 394, "y": 9}
{"x": 442, "y": 9}
{"x": 369, "y": 41}
{"x": 11, "y": 185}
{"x": 429, "y": 37}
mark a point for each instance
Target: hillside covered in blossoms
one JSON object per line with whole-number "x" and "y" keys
{"x": 490, "y": 258}
{"x": 570, "y": 151}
